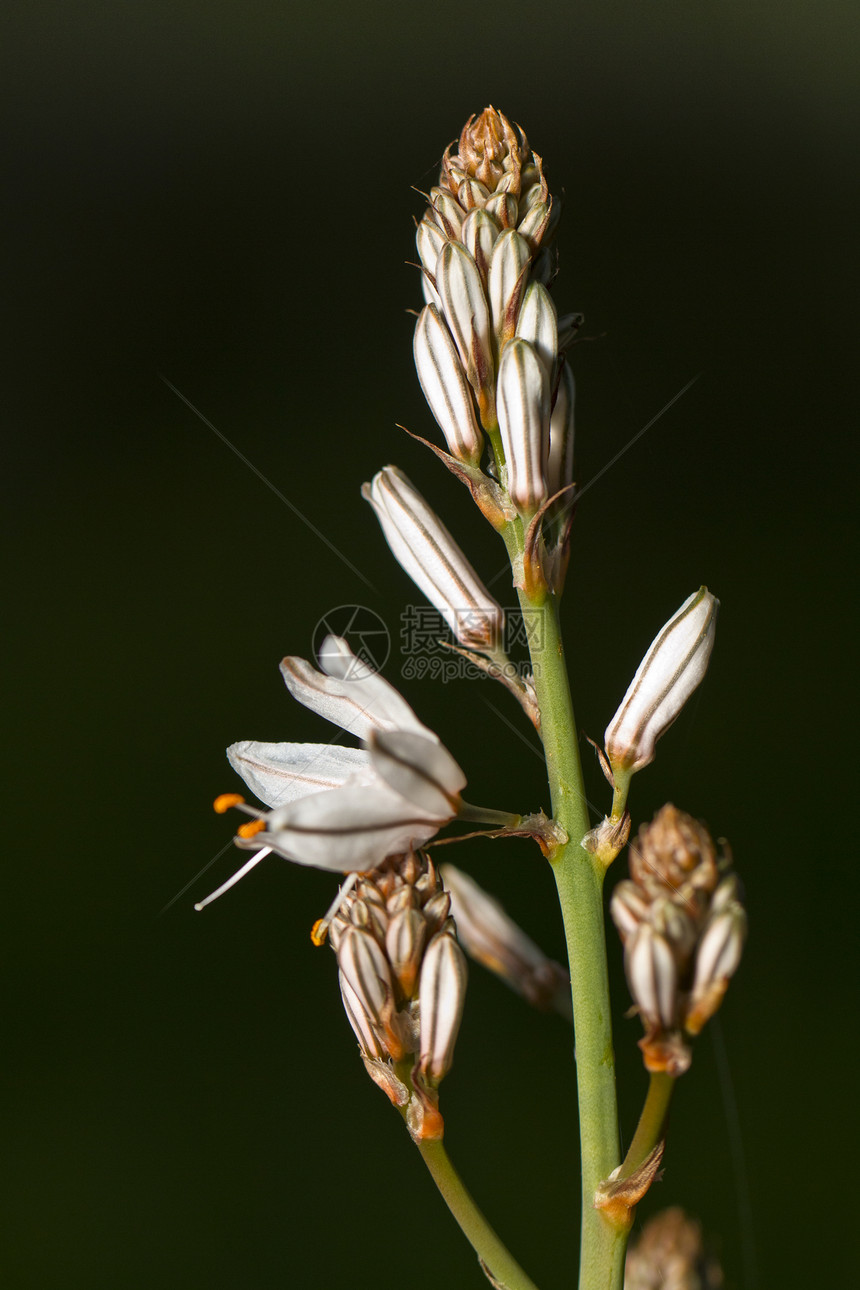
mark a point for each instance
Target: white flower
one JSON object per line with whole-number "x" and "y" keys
{"x": 674, "y": 666}
{"x": 342, "y": 808}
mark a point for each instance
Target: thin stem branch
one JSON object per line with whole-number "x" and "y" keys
{"x": 499, "y": 1261}
{"x": 484, "y": 815}
{"x": 652, "y": 1121}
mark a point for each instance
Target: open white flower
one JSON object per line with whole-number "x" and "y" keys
{"x": 343, "y": 808}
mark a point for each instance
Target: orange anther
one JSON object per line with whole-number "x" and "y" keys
{"x": 226, "y": 800}
{"x": 319, "y": 932}
{"x": 248, "y": 830}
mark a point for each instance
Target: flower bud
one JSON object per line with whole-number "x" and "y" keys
{"x": 404, "y": 946}
{"x": 652, "y": 976}
{"x": 523, "y": 408}
{"x": 467, "y": 314}
{"x": 717, "y": 959}
{"x": 427, "y": 552}
{"x": 449, "y": 213}
{"x": 365, "y": 970}
{"x": 361, "y": 1022}
{"x": 538, "y": 324}
{"x": 479, "y": 234}
{"x": 629, "y": 908}
{"x": 441, "y": 996}
{"x": 491, "y": 937}
{"x": 506, "y": 283}
{"x": 669, "y": 673}
{"x": 445, "y": 388}
{"x": 559, "y": 471}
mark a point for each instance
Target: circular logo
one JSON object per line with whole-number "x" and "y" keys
{"x": 363, "y": 630}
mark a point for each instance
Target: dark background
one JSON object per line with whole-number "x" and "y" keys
{"x": 221, "y": 193}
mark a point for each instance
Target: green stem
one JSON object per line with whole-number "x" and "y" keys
{"x": 579, "y": 879}
{"x": 649, "y": 1130}
{"x": 484, "y": 815}
{"x": 499, "y": 1261}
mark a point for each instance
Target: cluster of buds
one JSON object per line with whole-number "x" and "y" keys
{"x": 683, "y": 926}
{"x": 488, "y": 344}
{"x": 403, "y": 982}
{"x": 670, "y": 1255}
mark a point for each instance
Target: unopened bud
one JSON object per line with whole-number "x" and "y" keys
{"x": 629, "y": 908}
{"x": 506, "y": 281}
{"x": 426, "y": 551}
{"x": 445, "y": 388}
{"x": 404, "y": 945}
{"x": 674, "y": 666}
{"x": 361, "y": 1022}
{"x": 559, "y": 472}
{"x": 717, "y": 958}
{"x": 653, "y": 976}
{"x": 538, "y": 324}
{"x": 441, "y": 995}
{"x": 491, "y": 937}
{"x": 479, "y": 233}
{"x": 523, "y": 409}
{"x": 365, "y": 970}
{"x": 467, "y": 313}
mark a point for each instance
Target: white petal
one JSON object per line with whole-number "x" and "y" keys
{"x": 352, "y": 827}
{"x": 281, "y": 773}
{"x": 422, "y": 772}
{"x": 358, "y": 705}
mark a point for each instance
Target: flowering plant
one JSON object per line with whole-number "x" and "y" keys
{"x": 493, "y": 359}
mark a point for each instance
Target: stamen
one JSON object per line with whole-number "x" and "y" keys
{"x": 319, "y": 931}
{"x": 248, "y": 830}
{"x": 240, "y": 873}
{"x": 225, "y": 801}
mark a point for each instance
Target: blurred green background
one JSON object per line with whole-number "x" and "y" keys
{"x": 222, "y": 194}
